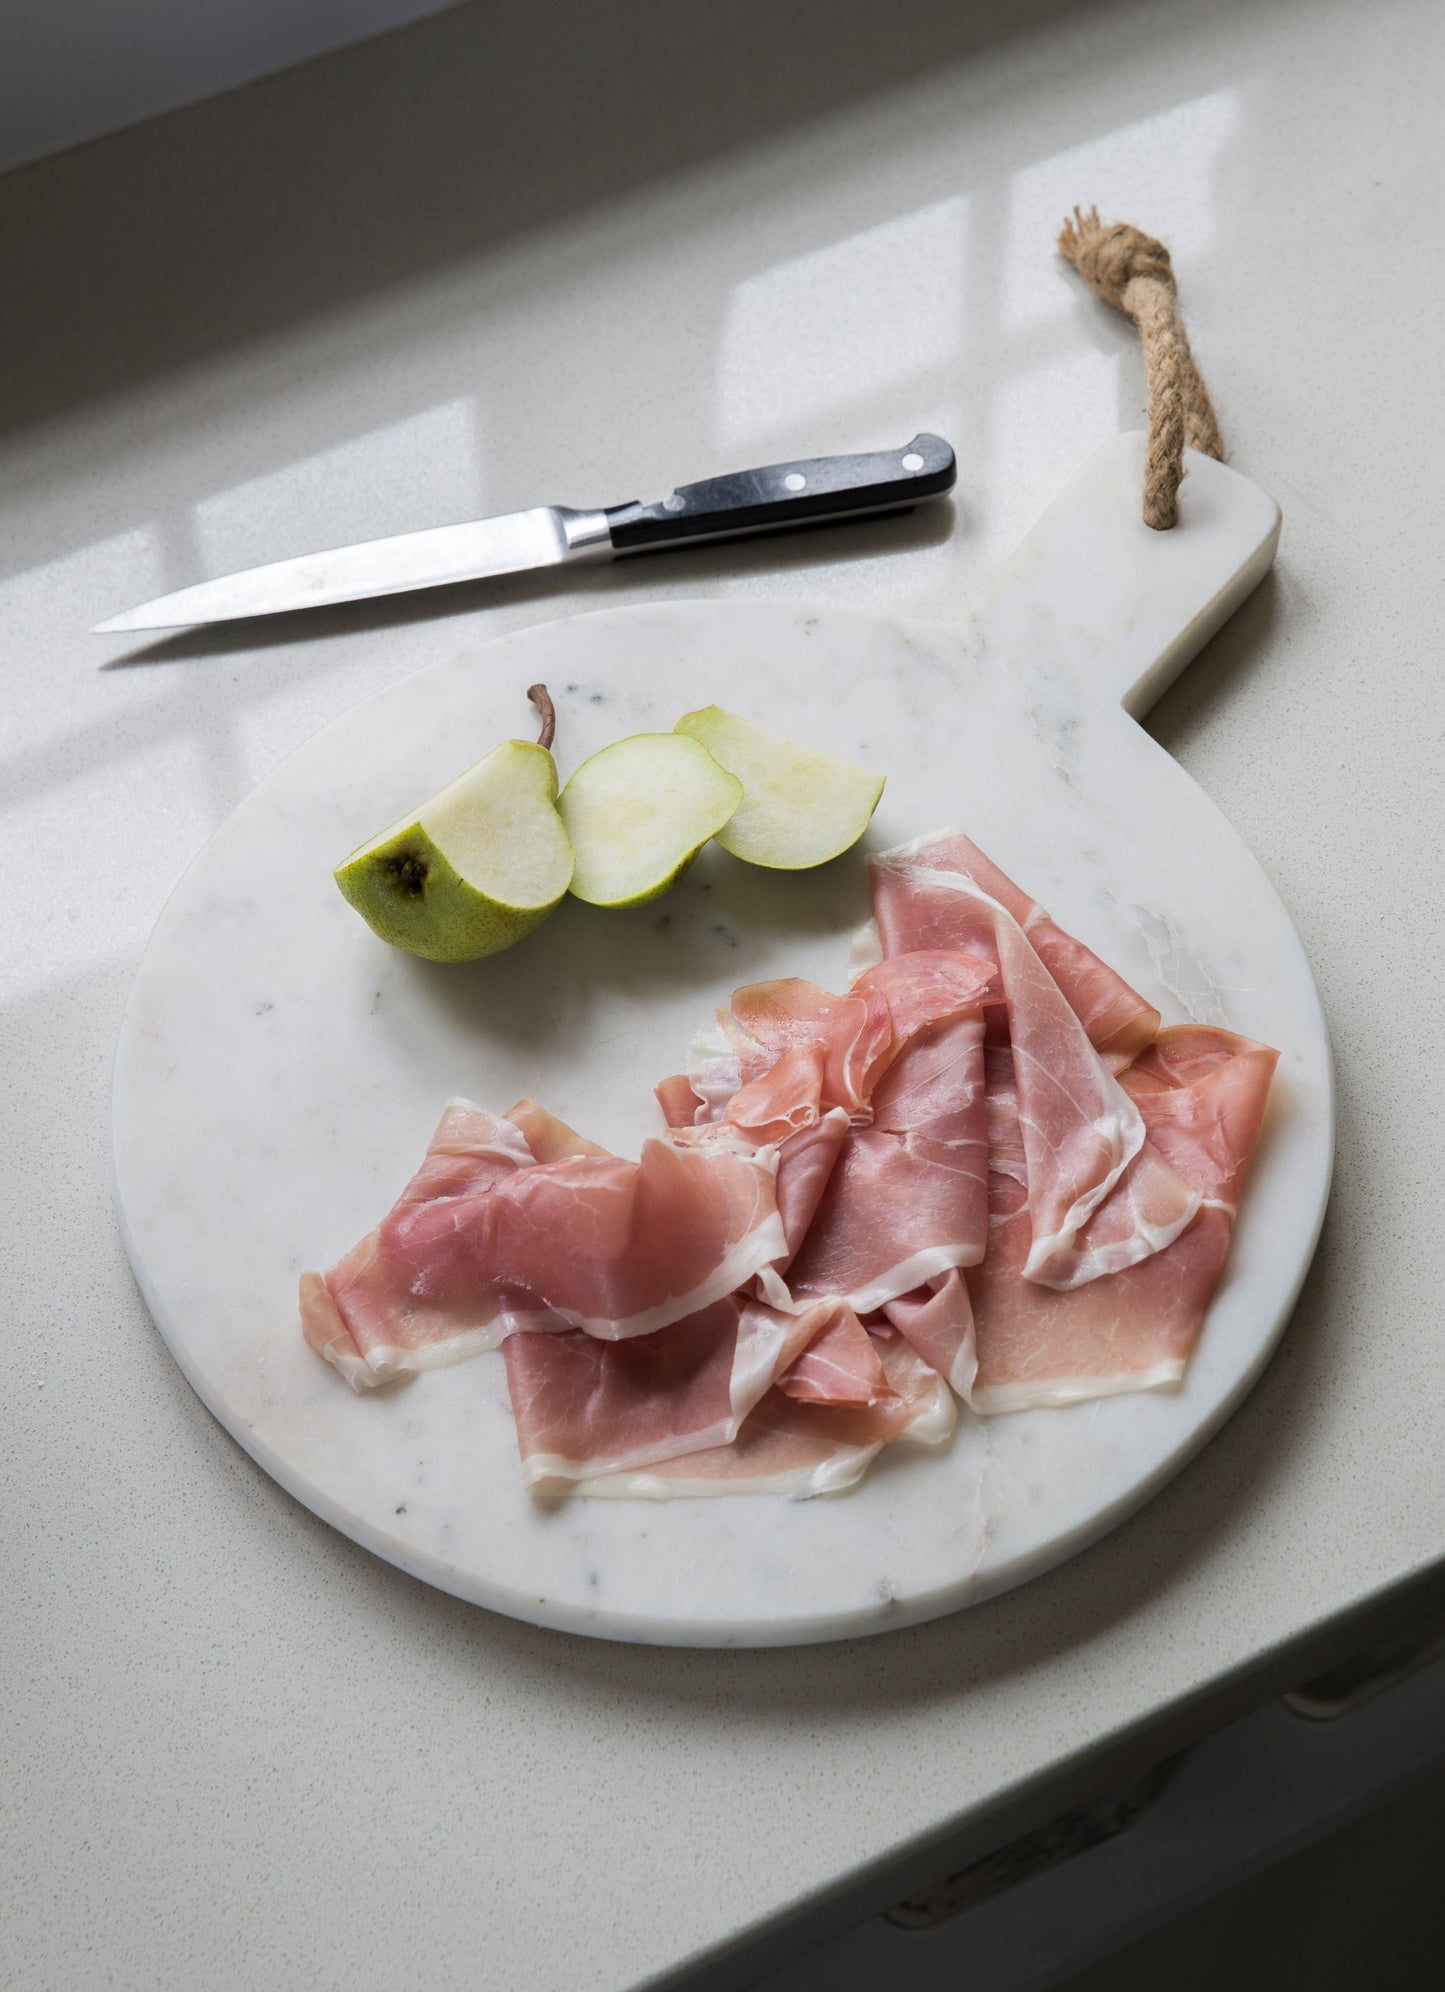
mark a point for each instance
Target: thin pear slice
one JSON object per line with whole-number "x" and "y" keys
{"x": 799, "y": 807}
{"x": 639, "y": 812}
{"x": 473, "y": 870}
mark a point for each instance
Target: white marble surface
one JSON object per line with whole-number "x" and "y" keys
{"x": 280, "y": 1069}
{"x": 347, "y": 303}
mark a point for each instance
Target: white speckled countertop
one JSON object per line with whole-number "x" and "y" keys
{"x": 460, "y": 271}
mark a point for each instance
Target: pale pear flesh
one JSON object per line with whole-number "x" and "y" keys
{"x": 800, "y": 807}
{"x": 639, "y": 811}
{"x": 475, "y": 869}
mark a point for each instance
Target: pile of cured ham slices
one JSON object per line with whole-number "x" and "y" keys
{"x": 984, "y": 1174}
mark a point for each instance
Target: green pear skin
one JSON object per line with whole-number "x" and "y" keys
{"x": 475, "y": 869}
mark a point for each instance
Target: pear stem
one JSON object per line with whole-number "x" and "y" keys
{"x": 542, "y": 700}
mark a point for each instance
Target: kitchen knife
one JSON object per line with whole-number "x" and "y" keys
{"x": 809, "y": 493}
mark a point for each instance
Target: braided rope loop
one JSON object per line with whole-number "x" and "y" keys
{"x": 1131, "y": 271}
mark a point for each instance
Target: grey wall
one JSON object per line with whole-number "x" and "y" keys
{"x": 71, "y": 69}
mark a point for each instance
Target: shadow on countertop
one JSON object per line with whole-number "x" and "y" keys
{"x": 222, "y": 222}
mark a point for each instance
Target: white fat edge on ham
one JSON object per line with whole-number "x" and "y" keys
{"x": 840, "y": 1364}
{"x": 901, "y": 856}
{"x": 937, "y": 1320}
{"x": 963, "y": 1371}
{"x": 326, "y": 1331}
{"x": 718, "y": 1052}
{"x": 935, "y": 1416}
{"x": 329, "y": 1336}
{"x": 1116, "y": 1122}
{"x": 865, "y": 951}
{"x": 467, "y": 1342}
{"x": 1134, "y": 1332}
{"x": 507, "y": 1142}
{"x": 467, "y": 1132}
{"x": 892, "y": 1284}
{"x": 830, "y": 1467}
{"x": 713, "y": 1069}
{"x": 835, "y": 1473}
{"x": 898, "y": 856}
{"x": 1140, "y": 1236}
{"x": 770, "y": 1286}
{"x": 746, "y": 1258}
{"x": 770, "y": 1283}
{"x": 387, "y": 1363}
{"x": 916, "y": 1271}
{"x": 996, "y": 1400}
{"x": 766, "y": 1345}
{"x": 769, "y": 1341}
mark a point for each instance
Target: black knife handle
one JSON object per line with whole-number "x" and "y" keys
{"x": 788, "y": 494}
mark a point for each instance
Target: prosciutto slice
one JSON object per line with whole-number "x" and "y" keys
{"x": 907, "y": 1200}
{"x": 1081, "y": 1131}
{"x": 1202, "y": 1096}
{"x": 783, "y": 1107}
{"x": 800, "y": 1449}
{"x": 840, "y": 1364}
{"x": 579, "y": 1239}
{"x": 585, "y": 1407}
{"x": 845, "y": 1039}
{"x": 806, "y": 1161}
{"x": 615, "y": 1247}
{"x": 326, "y": 1332}
{"x": 353, "y": 1317}
{"x": 1116, "y": 1018}
{"x": 470, "y": 1151}
{"x": 899, "y": 1197}
{"x": 678, "y": 1101}
{"x": 1202, "y": 1093}
{"x": 548, "y": 1138}
{"x": 938, "y": 1321}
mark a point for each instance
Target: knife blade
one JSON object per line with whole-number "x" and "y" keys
{"x": 806, "y": 493}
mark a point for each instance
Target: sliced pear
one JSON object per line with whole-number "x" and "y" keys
{"x": 473, "y": 870}
{"x": 799, "y": 807}
{"x": 639, "y": 812}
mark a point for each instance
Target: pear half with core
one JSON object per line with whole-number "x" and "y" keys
{"x": 474, "y": 869}
{"x": 639, "y": 812}
{"x": 799, "y": 807}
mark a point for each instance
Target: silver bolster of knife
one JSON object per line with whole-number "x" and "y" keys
{"x": 588, "y": 535}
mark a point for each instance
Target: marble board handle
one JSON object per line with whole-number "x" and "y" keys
{"x": 1119, "y": 607}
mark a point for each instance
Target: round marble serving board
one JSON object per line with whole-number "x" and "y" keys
{"x": 280, "y": 1070}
